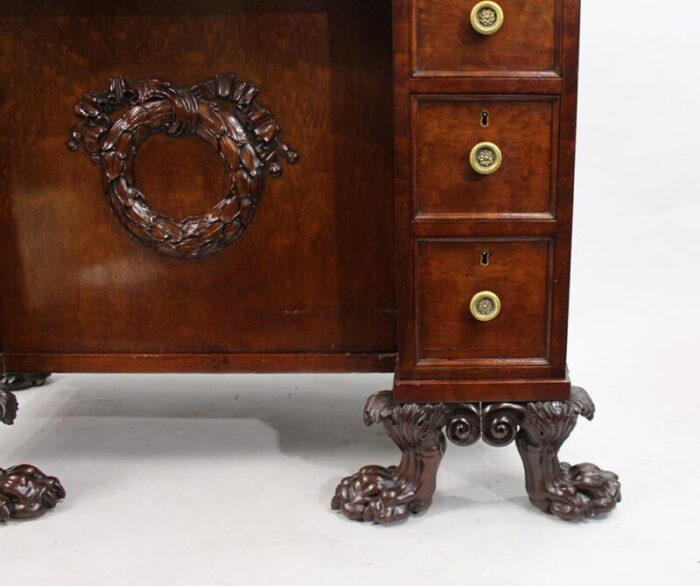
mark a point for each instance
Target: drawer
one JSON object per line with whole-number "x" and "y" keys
{"x": 450, "y": 276}
{"x": 447, "y": 43}
{"x": 446, "y": 132}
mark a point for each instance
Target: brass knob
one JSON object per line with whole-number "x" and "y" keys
{"x": 486, "y": 158}
{"x": 487, "y": 18}
{"x": 485, "y": 306}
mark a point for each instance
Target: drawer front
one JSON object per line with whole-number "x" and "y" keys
{"x": 450, "y": 276}
{"x": 447, "y": 179}
{"x": 447, "y": 43}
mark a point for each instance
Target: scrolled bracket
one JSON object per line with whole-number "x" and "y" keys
{"x": 463, "y": 424}
{"x": 223, "y": 112}
{"x": 501, "y": 422}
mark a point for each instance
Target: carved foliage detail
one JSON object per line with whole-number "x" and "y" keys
{"x": 386, "y": 495}
{"x": 222, "y": 112}
{"x": 569, "y": 492}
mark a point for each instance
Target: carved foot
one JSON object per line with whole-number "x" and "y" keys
{"x": 569, "y": 492}
{"x": 20, "y": 382}
{"x": 386, "y": 495}
{"x": 25, "y": 491}
{"x": 582, "y": 491}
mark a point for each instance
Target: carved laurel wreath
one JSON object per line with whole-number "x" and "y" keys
{"x": 223, "y": 113}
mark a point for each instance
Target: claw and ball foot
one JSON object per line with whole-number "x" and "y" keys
{"x": 386, "y": 495}
{"x": 21, "y": 381}
{"x": 25, "y": 491}
{"x": 569, "y": 492}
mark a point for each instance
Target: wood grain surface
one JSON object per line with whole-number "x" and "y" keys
{"x": 316, "y": 271}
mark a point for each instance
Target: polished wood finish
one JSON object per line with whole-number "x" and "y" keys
{"x": 218, "y": 362}
{"x": 451, "y": 391}
{"x": 449, "y": 273}
{"x": 446, "y": 129}
{"x": 312, "y": 283}
{"x": 446, "y": 44}
{"x": 446, "y": 75}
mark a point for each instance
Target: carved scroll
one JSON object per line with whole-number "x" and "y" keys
{"x": 222, "y": 112}
{"x": 386, "y": 495}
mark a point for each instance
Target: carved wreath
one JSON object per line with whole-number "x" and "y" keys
{"x": 223, "y": 113}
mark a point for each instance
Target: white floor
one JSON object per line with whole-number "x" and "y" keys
{"x": 217, "y": 480}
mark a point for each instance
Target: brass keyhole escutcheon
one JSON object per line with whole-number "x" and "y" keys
{"x": 485, "y": 119}
{"x": 485, "y": 306}
{"x": 486, "y": 158}
{"x": 485, "y": 258}
{"x": 487, "y": 18}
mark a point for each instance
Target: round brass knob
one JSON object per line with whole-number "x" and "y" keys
{"x": 487, "y": 18}
{"x": 486, "y": 158}
{"x": 485, "y": 306}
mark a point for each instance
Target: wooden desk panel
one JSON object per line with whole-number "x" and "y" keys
{"x": 314, "y": 273}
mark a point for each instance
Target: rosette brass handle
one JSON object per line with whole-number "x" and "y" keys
{"x": 486, "y": 158}
{"x": 485, "y": 306}
{"x": 487, "y": 18}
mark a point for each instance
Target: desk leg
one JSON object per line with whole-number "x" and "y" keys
{"x": 25, "y": 491}
{"x": 386, "y": 495}
{"x": 540, "y": 429}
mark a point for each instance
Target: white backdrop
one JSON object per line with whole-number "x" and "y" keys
{"x": 636, "y": 234}
{"x": 635, "y": 304}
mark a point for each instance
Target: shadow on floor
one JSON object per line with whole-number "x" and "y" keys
{"x": 317, "y": 419}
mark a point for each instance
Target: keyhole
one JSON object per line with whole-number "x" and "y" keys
{"x": 485, "y": 260}
{"x": 485, "y": 119}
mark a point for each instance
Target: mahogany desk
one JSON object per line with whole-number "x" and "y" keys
{"x": 381, "y": 185}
